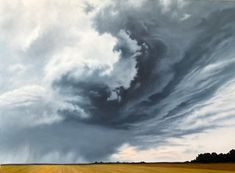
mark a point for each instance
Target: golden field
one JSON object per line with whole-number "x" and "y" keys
{"x": 120, "y": 168}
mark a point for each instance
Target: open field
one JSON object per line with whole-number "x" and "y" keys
{"x": 120, "y": 168}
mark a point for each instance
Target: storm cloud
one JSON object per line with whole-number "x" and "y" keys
{"x": 96, "y": 78}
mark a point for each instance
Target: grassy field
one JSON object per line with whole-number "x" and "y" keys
{"x": 120, "y": 168}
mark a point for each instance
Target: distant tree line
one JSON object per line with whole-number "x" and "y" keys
{"x": 118, "y": 162}
{"x": 215, "y": 158}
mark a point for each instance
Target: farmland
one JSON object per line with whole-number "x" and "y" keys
{"x": 121, "y": 168}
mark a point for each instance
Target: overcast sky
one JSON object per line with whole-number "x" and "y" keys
{"x": 116, "y": 80}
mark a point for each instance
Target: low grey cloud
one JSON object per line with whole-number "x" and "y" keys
{"x": 170, "y": 66}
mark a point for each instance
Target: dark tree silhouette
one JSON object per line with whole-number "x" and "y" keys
{"x": 215, "y": 158}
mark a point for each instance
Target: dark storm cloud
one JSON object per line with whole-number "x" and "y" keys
{"x": 173, "y": 59}
{"x": 171, "y": 79}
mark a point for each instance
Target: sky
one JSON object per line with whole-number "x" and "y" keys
{"x": 116, "y": 80}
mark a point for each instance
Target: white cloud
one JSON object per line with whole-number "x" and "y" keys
{"x": 43, "y": 40}
{"x": 27, "y": 106}
{"x": 17, "y": 69}
{"x": 91, "y": 52}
